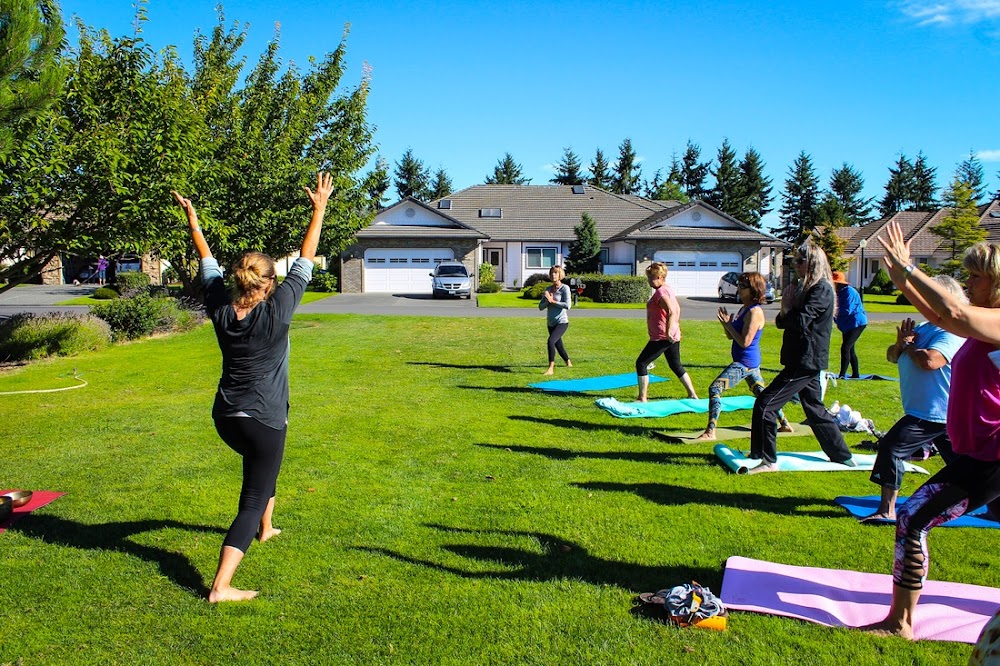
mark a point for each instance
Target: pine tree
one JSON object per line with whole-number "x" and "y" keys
{"x": 755, "y": 190}
{"x": 569, "y": 171}
{"x": 846, "y": 185}
{"x": 626, "y": 176}
{"x": 693, "y": 172}
{"x": 727, "y": 193}
{"x": 650, "y": 188}
{"x": 970, "y": 170}
{"x": 507, "y": 172}
{"x": 378, "y": 183}
{"x": 441, "y": 185}
{"x": 599, "y": 176}
{"x": 899, "y": 190}
{"x": 960, "y": 229}
{"x": 585, "y": 251}
{"x": 799, "y": 200}
{"x": 831, "y": 215}
{"x": 923, "y": 185}
{"x": 412, "y": 178}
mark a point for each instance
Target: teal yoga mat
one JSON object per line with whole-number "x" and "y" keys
{"x": 605, "y": 383}
{"x": 813, "y": 461}
{"x": 661, "y": 408}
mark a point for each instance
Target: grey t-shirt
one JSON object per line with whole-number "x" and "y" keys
{"x": 558, "y": 312}
{"x": 255, "y": 349}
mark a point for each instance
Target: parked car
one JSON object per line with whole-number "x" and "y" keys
{"x": 728, "y": 288}
{"x": 451, "y": 278}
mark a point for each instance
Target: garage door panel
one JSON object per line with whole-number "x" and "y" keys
{"x": 402, "y": 271}
{"x": 697, "y": 273}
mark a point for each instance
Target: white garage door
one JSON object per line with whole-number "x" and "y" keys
{"x": 402, "y": 271}
{"x": 698, "y": 273}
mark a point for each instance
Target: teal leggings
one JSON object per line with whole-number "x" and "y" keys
{"x": 733, "y": 374}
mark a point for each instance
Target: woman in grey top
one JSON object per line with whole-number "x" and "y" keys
{"x": 251, "y": 403}
{"x": 556, "y": 301}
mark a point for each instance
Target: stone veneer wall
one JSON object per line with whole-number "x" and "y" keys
{"x": 352, "y": 259}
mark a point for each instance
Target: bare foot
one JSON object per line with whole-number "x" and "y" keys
{"x": 890, "y": 627}
{"x": 786, "y": 428}
{"x": 548, "y": 373}
{"x": 231, "y": 594}
{"x": 878, "y": 517}
{"x": 762, "y": 468}
{"x": 707, "y": 435}
{"x": 569, "y": 364}
{"x": 641, "y": 398}
{"x": 264, "y": 535}
{"x": 693, "y": 396}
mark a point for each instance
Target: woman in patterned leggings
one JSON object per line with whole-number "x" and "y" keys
{"x": 973, "y": 479}
{"x": 744, "y": 329}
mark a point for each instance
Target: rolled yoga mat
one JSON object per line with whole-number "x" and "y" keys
{"x": 661, "y": 408}
{"x": 885, "y": 378}
{"x": 605, "y": 383}
{"x": 946, "y": 611}
{"x": 814, "y": 461}
{"x": 859, "y": 507}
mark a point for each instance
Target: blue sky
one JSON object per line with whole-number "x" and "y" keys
{"x": 461, "y": 83}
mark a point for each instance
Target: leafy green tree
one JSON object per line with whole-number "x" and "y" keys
{"x": 727, "y": 193}
{"x": 899, "y": 191}
{"x": 413, "y": 179}
{"x": 694, "y": 172}
{"x": 799, "y": 200}
{"x": 627, "y": 173}
{"x": 830, "y": 216}
{"x": 378, "y": 183}
{"x": 754, "y": 188}
{"x": 585, "y": 251}
{"x": 507, "y": 172}
{"x": 960, "y": 228}
{"x": 31, "y": 71}
{"x": 569, "y": 171}
{"x": 970, "y": 170}
{"x": 599, "y": 171}
{"x": 924, "y": 187}
{"x": 441, "y": 185}
{"x": 846, "y": 185}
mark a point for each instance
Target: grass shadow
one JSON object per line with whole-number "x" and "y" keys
{"x": 502, "y": 389}
{"x": 667, "y": 494}
{"x": 658, "y": 457}
{"x": 470, "y": 366}
{"x": 559, "y": 560}
{"x": 115, "y": 537}
{"x": 641, "y": 431}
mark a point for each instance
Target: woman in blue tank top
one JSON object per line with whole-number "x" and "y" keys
{"x": 744, "y": 329}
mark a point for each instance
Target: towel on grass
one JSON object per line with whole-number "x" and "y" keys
{"x": 814, "y": 461}
{"x": 39, "y": 498}
{"x": 859, "y": 507}
{"x": 661, "y": 408}
{"x": 605, "y": 383}
{"x": 946, "y": 611}
{"x": 723, "y": 434}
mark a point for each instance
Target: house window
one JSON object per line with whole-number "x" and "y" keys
{"x": 689, "y": 264}
{"x": 541, "y": 257}
{"x": 605, "y": 255}
{"x": 730, "y": 264}
{"x": 377, "y": 260}
{"x": 397, "y": 260}
{"x": 489, "y": 212}
{"x": 709, "y": 264}
{"x": 420, "y": 260}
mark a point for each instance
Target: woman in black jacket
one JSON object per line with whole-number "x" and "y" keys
{"x": 807, "y": 308}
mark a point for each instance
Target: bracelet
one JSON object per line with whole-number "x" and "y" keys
{"x": 907, "y": 270}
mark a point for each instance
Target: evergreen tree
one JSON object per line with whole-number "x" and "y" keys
{"x": 960, "y": 229}
{"x": 507, "y": 172}
{"x": 924, "y": 186}
{"x": 755, "y": 190}
{"x": 569, "y": 171}
{"x": 970, "y": 170}
{"x": 899, "y": 191}
{"x": 650, "y": 188}
{"x": 799, "y": 200}
{"x": 727, "y": 193}
{"x": 585, "y": 251}
{"x": 599, "y": 171}
{"x": 830, "y": 216}
{"x": 378, "y": 183}
{"x": 625, "y": 179}
{"x": 846, "y": 185}
{"x": 412, "y": 178}
{"x": 693, "y": 172}
{"x": 441, "y": 185}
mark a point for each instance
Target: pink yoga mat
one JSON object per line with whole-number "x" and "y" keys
{"x": 946, "y": 612}
{"x": 38, "y": 499}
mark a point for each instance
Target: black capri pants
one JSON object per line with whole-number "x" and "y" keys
{"x": 671, "y": 351}
{"x": 262, "y": 448}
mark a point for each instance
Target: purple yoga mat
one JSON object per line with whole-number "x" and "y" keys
{"x": 946, "y": 612}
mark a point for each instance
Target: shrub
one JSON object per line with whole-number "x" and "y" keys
{"x": 487, "y": 276}
{"x": 170, "y": 275}
{"x": 132, "y": 283}
{"x": 490, "y": 288}
{"x": 323, "y": 281}
{"x": 105, "y": 294}
{"x": 534, "y": 279}
{"x": 901, "y": 299}
{"x": 880, "y": 284}
{"x": 26, "y": 337}
{"x": 535, "y": 291}
{"x": 615, "y": 288}
{"x": 129, "y": 318}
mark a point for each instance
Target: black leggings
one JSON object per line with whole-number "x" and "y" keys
{"x": 262, "y": 448}
{"x": 671, "y": 351}
{"x": 847, "y": 353}
{"x": 555, "y": 342}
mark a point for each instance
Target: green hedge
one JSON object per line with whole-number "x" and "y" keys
{"x": 137, "y": 317}
{"x": 131, "y": 283}
{"x": 105, "y": 294}
{"x": 27, "y": 337}
{"x": 614, "y": 288}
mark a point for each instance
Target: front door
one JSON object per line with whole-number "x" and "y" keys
{"x": 494, "y": 256}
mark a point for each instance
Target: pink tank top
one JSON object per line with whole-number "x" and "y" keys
{"x": 974, "y": 402}
{"x": 656, "y": 315}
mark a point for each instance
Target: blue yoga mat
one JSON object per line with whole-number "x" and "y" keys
{"x": 862, "y": 377}
{"x": 661, "y": 408}
{"x": 859, "y": 507}
{"x": 812, "y": 461}
{"x": 605, "y": 383}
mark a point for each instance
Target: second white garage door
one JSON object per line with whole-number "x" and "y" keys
{"x": 402, "y": 271}
{"x": 698, "y": 273}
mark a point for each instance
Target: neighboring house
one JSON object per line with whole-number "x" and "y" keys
{"x": 525, "y": 229}
{"x": 865, "y": 251}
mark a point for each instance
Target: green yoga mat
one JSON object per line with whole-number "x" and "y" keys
{"x": 813, "y": 461}
{"x": 661, "y": 408}
{"x": 723, "y": 434}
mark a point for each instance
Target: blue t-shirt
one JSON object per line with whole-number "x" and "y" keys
{"x": 925, "y": 392}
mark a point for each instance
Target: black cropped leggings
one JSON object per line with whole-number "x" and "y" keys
{"x": 555, "y": 343}
{"x": 262, "y": 449}
{"x": 671, "y": 351}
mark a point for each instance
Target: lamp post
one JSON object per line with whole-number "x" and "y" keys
{"x": 861, "y": 271}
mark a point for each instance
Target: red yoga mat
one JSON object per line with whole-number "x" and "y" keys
{"x": 38, "y": 499}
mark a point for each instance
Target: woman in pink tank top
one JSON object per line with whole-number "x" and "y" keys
{"x": 663, "y": 321}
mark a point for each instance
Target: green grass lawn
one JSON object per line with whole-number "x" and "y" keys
{"x": 307, "y": 297}
{"x": 436, "y": 511}
{"x": 512, "y": 299}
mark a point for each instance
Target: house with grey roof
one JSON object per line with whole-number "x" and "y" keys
{"x": 526, "y": 229}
